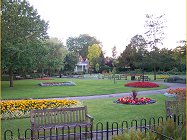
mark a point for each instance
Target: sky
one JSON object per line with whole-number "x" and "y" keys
{"x": 113, "y": 22}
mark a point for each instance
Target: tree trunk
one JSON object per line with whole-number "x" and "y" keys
{"x": 154, "y": 73}
{"x": 143, "y": 75}
{"x": 11, "y": 76}
{"x": 42, "y": 73}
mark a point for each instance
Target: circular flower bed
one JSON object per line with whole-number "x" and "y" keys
{"x": 137, "y": 101}
{"x": 133, "y": 100}
{"x": 44, "y": 78}
{"x": 142, "y": 84}
{"x": 57, "y": 83}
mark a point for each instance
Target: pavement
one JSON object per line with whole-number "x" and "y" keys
{"x": 117, "y": 95}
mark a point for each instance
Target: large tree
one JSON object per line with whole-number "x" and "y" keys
{"x": 56, "y": 54}
{"x": 79, "y": 45}
{"x": 21, "y": 26}
{"x": 133, "y": 55}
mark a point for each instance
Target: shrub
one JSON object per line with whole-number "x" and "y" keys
{"x": 168, "y": 128}
{"x": 176, "y": 79}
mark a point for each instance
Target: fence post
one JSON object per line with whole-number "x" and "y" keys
{"x": 18, "y": 134}
{"x": 107, "y": 130}
{"x": 11, "y": 134}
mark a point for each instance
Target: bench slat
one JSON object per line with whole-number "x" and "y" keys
{"x": 60, "y": 117}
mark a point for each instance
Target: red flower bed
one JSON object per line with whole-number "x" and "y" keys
{"x": 44, "y": 78}
{"x": 142, "y": 84}
{"x": 137, "y": 101}
{"x": 133, "y": 100}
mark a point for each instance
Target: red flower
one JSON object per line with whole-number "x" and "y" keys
{"x": 142, "y": 84}
{"x": 130, "y": 100}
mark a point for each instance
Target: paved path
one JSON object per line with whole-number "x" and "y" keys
{"x": 117, "y": 95}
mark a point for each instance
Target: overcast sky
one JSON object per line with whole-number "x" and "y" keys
{"x": 113, "y": 22}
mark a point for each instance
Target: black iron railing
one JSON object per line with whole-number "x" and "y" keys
{"x": 99, "y": 131}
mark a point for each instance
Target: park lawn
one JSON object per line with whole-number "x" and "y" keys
{"x": 84, "y": 87}
{"x": 104, "y": 110}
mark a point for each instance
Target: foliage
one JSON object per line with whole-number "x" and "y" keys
{"x": 179, "y": 56}
{"x": 176, "y": 79}
{"x": 94, "y": 53}
{"x": 168, "y": 128}
{"x": 56, "y": 53}
{"x": 133, "y": 134}
{"x": 127, "y": 58}
{"x": 114, "y": 52}
{"x": 97, "y": 67}
{"x": 155, "y": 26}
{"x": 22, "y": 28}
{"x": 79, "y": 45}
{"x": 12, "y": 107}
{"x": 142, "y": 84}
{"x": 70, "y": 62}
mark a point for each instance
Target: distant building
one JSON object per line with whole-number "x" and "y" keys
{"x": 82, "y": 65}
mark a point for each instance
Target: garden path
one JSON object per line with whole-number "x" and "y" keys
{"x": 117, "y": 95}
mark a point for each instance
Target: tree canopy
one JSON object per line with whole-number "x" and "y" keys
{"x": 22, "y": 28}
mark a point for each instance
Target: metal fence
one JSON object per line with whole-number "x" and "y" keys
{"x": 99, "y": 131}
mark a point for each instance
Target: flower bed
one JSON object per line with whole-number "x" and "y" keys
{"x": 179, "y": 92}
{"x": 142, "y": 84}
{"x": 57, "y": 83}
{"x": 21, "y": 108}
{"x": 44, "y": 78}
{"x": 138, "y": 101}
{"x": 163, "y": 77}
{"x": 133, "y": 100}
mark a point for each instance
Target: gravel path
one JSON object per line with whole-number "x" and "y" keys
{"x": 117, "y": 95}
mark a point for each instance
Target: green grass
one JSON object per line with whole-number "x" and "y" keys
{"x": 31, "y": 89}
{"x": 104, "y": 110}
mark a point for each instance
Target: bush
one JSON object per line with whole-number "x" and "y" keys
{"x": 176, "y": 79}
{"x": 168, "y": 128}
{"x": 5, "y": 78}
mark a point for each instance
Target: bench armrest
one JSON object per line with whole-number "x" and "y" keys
{"x": 90, "y": 117}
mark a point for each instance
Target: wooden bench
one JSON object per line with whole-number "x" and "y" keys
{"x": 146, "y": 78}
{"x": 60, "y": 118}
{"x": 18, "y": 77}
{"x": 175, "y": 107}
{"x": 123, "y": 76}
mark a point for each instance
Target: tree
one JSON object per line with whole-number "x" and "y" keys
{"x": 79, "y": 45}
{"x": 126, "y": 58}
{"x": 155, "y": 26}
{"x": 180, "y": 55}
{"x": 21, "y": 25}
{"x": 114, "y": 52}
{"x": 166, "y": 59}
{"x": 56, "y": 54}
{"x": 133, "y": 54}
{"x": 94, "y": 53}
{"x": 69, "y": 62}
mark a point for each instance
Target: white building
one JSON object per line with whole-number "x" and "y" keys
{"x": 82, "y": 65}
